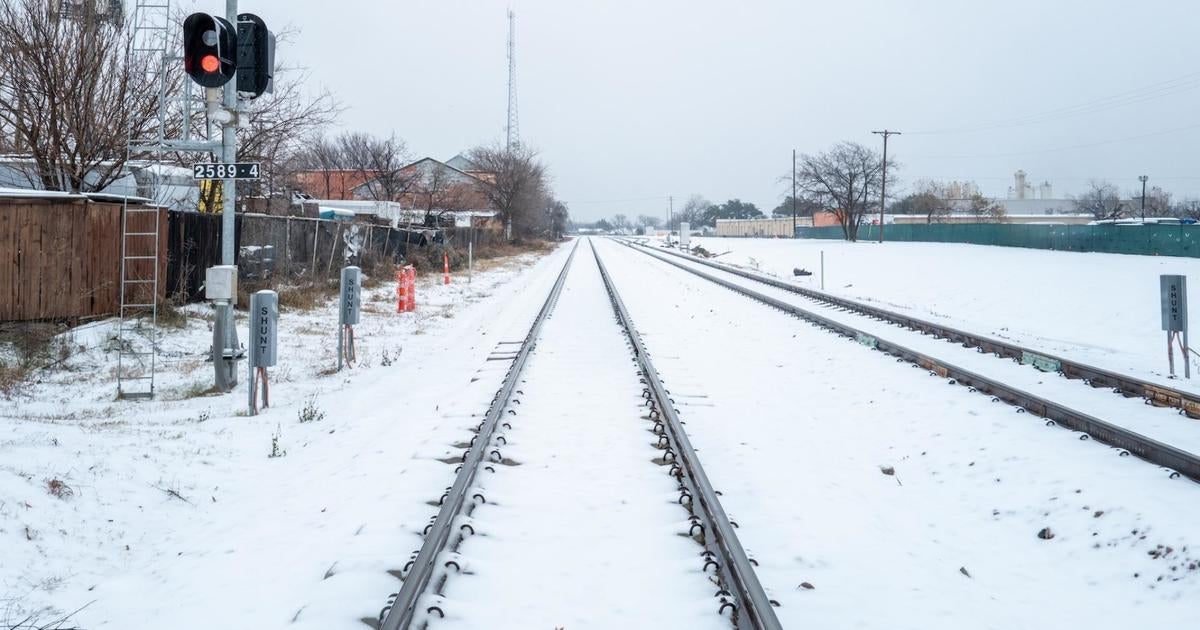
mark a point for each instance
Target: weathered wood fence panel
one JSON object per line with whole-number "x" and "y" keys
{"x": 61, "y": 258}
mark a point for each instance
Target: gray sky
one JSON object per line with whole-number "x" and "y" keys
{"x": 630, "y": 101}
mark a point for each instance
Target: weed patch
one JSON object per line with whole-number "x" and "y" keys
{"x": 58, "y": 489}
{"x": 310, "y": 412}
{"x": 276, "y": 450}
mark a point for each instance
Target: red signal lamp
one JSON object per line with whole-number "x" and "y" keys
{"x": 210, "y": 63}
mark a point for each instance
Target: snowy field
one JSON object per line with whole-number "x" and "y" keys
{"x": 876, "y": 496}
{"x": 1101, "y": 309}
{"x": 173, "y": 513}
{"x": 871, "y": 494}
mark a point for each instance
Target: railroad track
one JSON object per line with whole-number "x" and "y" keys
{"x": 1177, "y": 461}
{"x": 1129, "y": 386}
{"x": 738, "y": 594}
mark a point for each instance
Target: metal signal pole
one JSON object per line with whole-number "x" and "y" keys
{"x": 883, "y": 185}
{"x": 225, "y": 357}
{"x": 793, "y": 193}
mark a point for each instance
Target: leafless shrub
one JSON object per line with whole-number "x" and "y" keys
{"x": 59, "y": 489}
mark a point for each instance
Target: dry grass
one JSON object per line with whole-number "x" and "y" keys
{"x": 171, "y": 314}
{"x": 26, "y": 347}
{"x": 306, "y": 296}
{"x": 58, "y": 489}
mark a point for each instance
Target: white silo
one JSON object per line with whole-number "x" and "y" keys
{"x": 1019, "y": 186}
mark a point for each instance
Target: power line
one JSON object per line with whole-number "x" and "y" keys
{"x": 1064, "y": 148}
{"x": 1153, "y": 91}
{"x": 658, "y": 198}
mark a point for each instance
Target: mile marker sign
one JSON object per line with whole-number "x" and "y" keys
{"x": 237, "y": 170}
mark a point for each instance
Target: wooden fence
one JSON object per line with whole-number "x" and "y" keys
{"x": 60, "y": 257}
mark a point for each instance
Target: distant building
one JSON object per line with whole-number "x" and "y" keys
{"x": 774, "y": 227}
{"x": 331, "y": 183}
{"x": 1022, "y": 189}
{"x": 433, "y": 186}
{"x": 1027, "y": 199}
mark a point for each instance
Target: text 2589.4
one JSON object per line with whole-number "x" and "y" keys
{"x": 237, "y": 170}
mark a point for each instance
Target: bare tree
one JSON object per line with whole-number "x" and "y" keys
{"x": 1101, "y": 200}
{"x": 322, "y": 156}
{"x": 552, "y": 221}
{"x": 621, "y": 223}
{"x": 438, "y": 191}
{"x": 1187, "y": 208}
{"x": 981, "y": 207}
{"x": 845, "y": 180}
{"x": 516, "y": 184}
{"x": 278, "y": 125}
{"x": 692, "y": 212}
{"x": 379, "y": 163}
{"x": 1158, "y": 202}
{"x": 71, "y": 92}
{"x": 646, "y": 220}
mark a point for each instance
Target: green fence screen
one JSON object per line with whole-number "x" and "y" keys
{"x": 1152, "y": 240}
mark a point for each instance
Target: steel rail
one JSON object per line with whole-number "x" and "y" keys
{"x": 1149, "y": 449}
{"x": 737, "y": 580}
{"x": 1129, "y": 386}
{"x": 419, "y": 572}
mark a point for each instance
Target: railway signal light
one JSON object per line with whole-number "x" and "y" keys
{"x": 209, "y": 49}
{"x": 256, "y": 56}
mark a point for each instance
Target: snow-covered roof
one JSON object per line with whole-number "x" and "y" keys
{"x": 462, "y": 163}
{"x": 32, "y": 193}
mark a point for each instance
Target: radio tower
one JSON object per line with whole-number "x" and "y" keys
{"x": 513, "y": 132}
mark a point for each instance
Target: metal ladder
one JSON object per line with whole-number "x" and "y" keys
{"x": 137, "y": 336}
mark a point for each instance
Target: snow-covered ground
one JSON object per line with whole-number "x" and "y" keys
{"x": 1101, "y": 309}
{"x": 172, "y": 513}
{"x": 1161, "y": 423}
{"x": 874, "y": 495}
{"x": 871, "y": 494}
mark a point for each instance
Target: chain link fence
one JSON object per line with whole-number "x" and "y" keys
{"x": 281, "y": 249}
{"x": 1147, "y": 240}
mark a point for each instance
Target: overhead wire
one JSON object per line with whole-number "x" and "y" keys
{"x": 1149, "y": 92}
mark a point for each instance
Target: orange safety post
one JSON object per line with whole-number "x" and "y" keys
{"x": 445, "y": 268}
{"x": 411, "y": 282}
{"x": 401, "y": 290}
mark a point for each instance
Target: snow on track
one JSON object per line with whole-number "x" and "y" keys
{"x": 1100, "y": 308}
{"x": 584, "y": 530}
{"x": 1163, "y": 424}
{"x": 793, "y": 424}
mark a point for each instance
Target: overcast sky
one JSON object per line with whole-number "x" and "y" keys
{"x": 632, "y": 101}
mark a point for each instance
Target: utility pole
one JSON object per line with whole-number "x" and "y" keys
{"x": 793, "y": 193}
{"x": 883, "y": 185}
{"x": 670, "y": 211}
{"x": 1143, "y": 179}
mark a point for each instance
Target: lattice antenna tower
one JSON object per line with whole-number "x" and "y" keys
{"x": 513, "y": 132}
